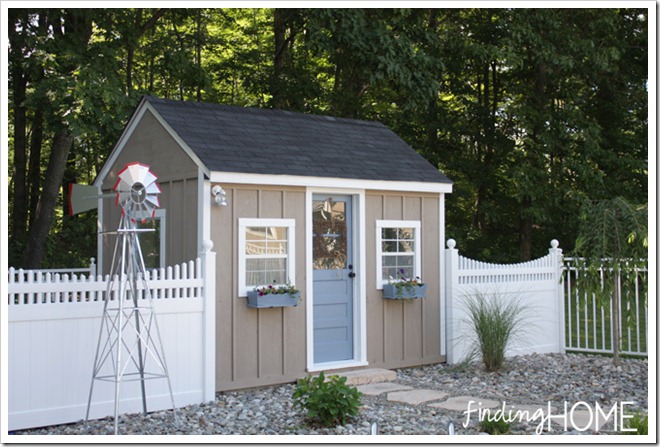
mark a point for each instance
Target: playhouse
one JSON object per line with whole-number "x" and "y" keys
{"x": 337, "y": 207}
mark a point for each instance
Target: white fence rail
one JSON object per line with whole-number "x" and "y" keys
{"x": 589, "y": 323}
{"x": 20, "y": 275}
{"x": 535, "y": 283}
{"x": 54, "y": 322}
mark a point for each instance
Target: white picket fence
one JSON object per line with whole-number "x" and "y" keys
{"x": 535, "y": 283}
{"x": 54, "y": 323}
{"x": 589, "y": 325}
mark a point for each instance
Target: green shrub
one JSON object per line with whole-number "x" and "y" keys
{"x": 495, "y": 320}
{"x": 495, "y": 426}
{"x": 639, "y": 421}
{"x": 329, "y": 401}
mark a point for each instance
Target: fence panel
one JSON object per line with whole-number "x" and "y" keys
{"x": 54, "y": 323}
{"x": 534, "y": 283}
{"x": 589, "y": 322}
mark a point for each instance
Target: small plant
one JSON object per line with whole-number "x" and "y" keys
{"x": 495, "y": 320}
{"x": 276, "y": 290}
{"x": 640, "y": 422}
{"x": 496, "y": 426}
{"x": 403, "y": 283}
{"x": 331, "y": 401}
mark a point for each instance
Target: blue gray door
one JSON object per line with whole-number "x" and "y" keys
{"x": 333, "y": 278}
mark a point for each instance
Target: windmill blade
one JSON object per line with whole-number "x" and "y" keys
{"x": 137, "y": 191}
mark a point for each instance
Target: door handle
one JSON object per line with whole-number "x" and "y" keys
{"x": 351, "y": 274}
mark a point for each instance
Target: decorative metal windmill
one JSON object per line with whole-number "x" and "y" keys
{"x": 129, "y": 335}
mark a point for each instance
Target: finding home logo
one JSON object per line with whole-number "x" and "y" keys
{"x": 580, "y": 416}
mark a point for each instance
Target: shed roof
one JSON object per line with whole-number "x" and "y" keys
{"x": 258, "y": 141}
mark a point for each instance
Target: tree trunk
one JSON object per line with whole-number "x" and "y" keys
{"x": 35, "y": 252}
{"x": 34, "y": 167}
{"x": 19, "y": 85}
{"x": 279, "y": 59}
{"x": 615, "y": 321}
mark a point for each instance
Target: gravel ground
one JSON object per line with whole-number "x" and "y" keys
{"x": 531, "y": 379}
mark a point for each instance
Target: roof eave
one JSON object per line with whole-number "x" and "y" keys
{"x": 328, "y": 182}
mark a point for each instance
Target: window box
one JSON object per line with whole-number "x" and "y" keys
{"x": 391, "y": 292}
{"x": 272, "y": 300}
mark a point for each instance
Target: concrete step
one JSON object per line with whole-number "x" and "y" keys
{"x": 366, "y": 376}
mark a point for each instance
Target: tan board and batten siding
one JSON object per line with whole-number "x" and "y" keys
{"x": 258, "y": 347}
{"x": 177, "y": 176}
{"x": 401, "y": 333}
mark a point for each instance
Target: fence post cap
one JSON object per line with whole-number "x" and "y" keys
{"x": 208, "y": 245}
{"x": 554, "y": 243}
{"x": 451, "y": 244}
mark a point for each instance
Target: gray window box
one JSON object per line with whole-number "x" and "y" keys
{"x": 271, "y": 300}
{"x": 390, "y": 292}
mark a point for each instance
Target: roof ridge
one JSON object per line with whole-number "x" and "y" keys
{"x": 258, "y": 110}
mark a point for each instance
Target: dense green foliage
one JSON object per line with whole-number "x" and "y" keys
{"x": 527, "y": 110}
{"x": 330, "y": 401}
{"x": 612, "y": 251}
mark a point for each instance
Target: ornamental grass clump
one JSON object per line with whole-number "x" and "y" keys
{"x": 495, "y": 321}
{"x": 639, "y": 422}
{"x": 495, "y": 426}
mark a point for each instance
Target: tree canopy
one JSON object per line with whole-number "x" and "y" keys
{"x": 529, "y": 111}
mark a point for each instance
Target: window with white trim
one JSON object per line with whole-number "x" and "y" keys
{"x": 266, "y": 253}
{"x": 398, "y": 251}
{"x": 152, "y": 243}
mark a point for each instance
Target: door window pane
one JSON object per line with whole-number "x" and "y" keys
{"x": 329, "y": 235}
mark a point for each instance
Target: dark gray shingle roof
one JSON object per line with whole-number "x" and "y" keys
{"x": 250, "y": 140}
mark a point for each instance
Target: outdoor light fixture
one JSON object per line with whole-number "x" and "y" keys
{"x": 219, "y": 195}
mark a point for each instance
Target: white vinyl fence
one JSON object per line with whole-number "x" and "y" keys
{"x": 589, "y": 322}
{"x": 536, "y": 284}
{"x": 54, "y": 322}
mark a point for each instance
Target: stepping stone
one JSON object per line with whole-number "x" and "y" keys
{"x": 374, "y": 389}
{"x": 415, "y": 397}
{"x": 366, "y": 376}
{"x": 461, "y": 403}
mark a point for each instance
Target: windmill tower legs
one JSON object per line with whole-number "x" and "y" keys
{"x": 129, "y": 345}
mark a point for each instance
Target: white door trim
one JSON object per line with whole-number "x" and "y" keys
{"x": 360, "y": 289}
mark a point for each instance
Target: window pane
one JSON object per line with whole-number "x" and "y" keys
{"x": 406, "y": 233}
{"x": 389, "y": 233}
{"x": 329, "y": 240}
{"x": 389, "y": 246}
{"x": 406, "y": 246}
{"x": 390, "y": 273}
{"x": 398, "y": 266}
{"x": 277, "y": 233}
{"x": 150, "y": 243}
{"x": 389, "y": 261}
{"x": 276, "y": 248}
{"x": 255, "y": 233}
